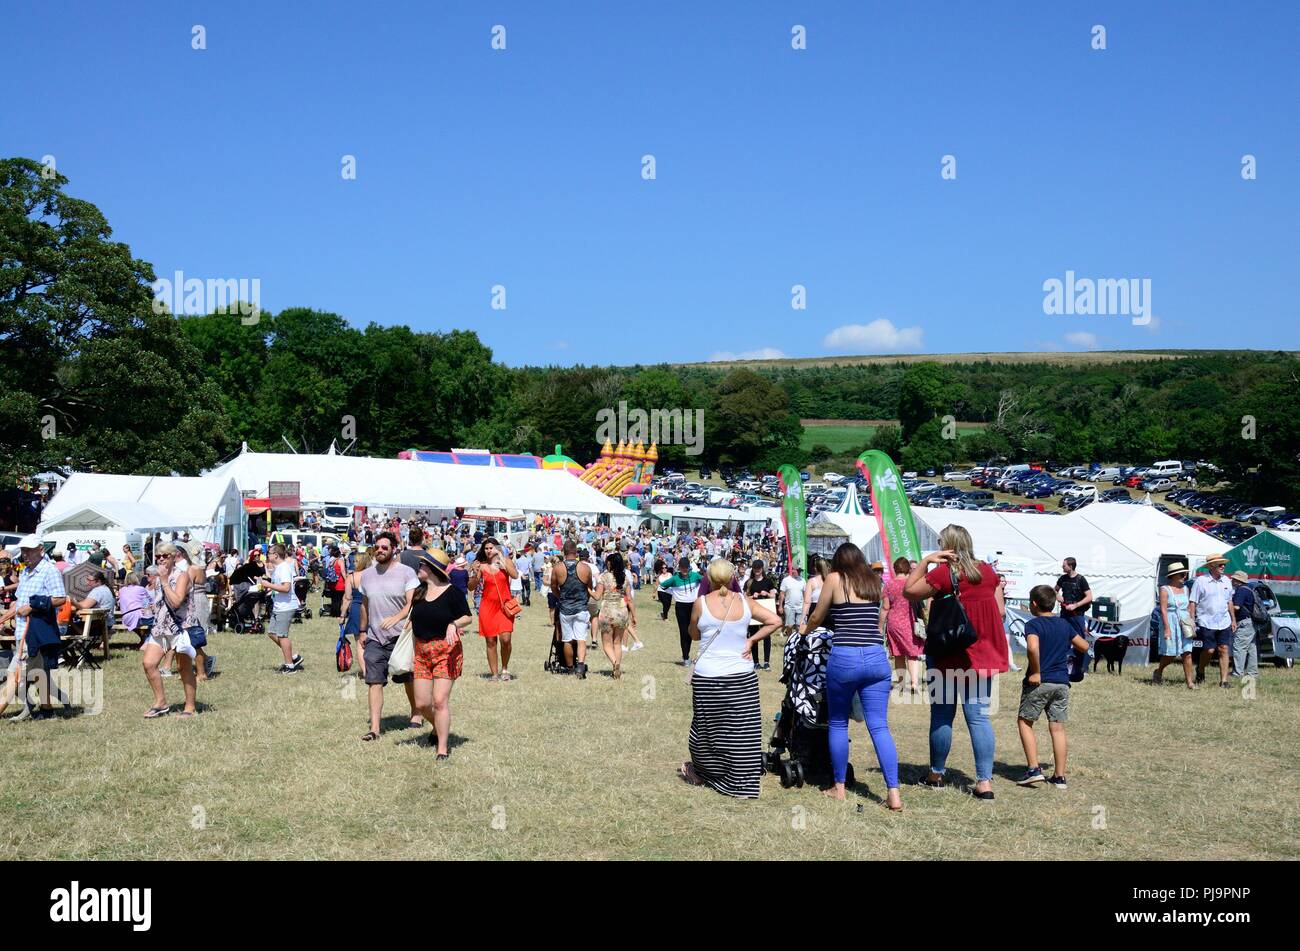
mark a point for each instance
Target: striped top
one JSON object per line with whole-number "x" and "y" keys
{"x": 856, "y": 624}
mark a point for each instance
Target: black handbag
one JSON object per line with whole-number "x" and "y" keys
{"x": 948, "y": 629}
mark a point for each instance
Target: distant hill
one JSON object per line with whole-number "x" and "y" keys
{"x": 1092, "y": 357}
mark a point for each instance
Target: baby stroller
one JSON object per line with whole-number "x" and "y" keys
{"x": 244, "y": 615}
{"x": 555, "y": 659}
{"x": 301, "y": 588}
{"x": 801, "y": 725}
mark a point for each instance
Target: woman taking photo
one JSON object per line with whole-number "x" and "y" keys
{"x": 851, "y": 606}
{"x": 439, "y": 612}
{"x": 493, "y": 571}
{"x": 726, "y": 738}
{"x": 900, "y": 628}
{"x": 175, "y": 615}
{"x": 812, "y": 591}
{"x": 965, "y": 674}
{"x": 1177, "y": 631}
{"x": 662, "y": 574}
{"x": 614, "y": 594}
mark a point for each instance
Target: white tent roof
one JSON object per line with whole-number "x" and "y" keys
{"x": 850, "y": 504}
{"x": 409, "y": 483}
{"x": 94, "y": 500}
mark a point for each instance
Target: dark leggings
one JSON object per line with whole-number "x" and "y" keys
{"x": 665, "y": 601}
{"x": 767, "y": 647}
{"x": 336, "y": 603}
{"x": 684, "y": 609}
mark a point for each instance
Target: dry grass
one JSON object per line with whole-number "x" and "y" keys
{"x": 572, "y": 769}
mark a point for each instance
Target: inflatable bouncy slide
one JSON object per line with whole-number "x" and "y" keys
{"x": 624, "y": 471}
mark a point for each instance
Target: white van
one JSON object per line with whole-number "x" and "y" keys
{"x": 335, "y": 517}
{"x": 111, "y": 539}
{"x": 303, "y": 539}
{"x": 1166, "y": 469}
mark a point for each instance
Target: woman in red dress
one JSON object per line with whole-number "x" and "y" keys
{"x": 493, "y": 570}
{"x": 966, "y": 674}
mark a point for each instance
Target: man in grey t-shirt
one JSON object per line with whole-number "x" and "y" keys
{"x": 387, "y": 589}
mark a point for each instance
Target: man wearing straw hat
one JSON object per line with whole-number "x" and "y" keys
{"x": 1245, "y": 653}
{"x": 1215, "y": 617}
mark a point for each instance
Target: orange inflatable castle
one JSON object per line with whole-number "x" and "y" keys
{"x": 621, "y": 471}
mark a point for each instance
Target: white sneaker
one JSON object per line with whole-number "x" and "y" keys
{"x": 164, "y": 672}
{"x": 636, "y": 647}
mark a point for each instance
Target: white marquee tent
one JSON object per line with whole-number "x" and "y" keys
{"x": 409, "y": 483}
{"x": 204, "y": 506}
{"x": 1118, "y": 549}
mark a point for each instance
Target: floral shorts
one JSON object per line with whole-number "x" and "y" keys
{"x": 438, "y": 660}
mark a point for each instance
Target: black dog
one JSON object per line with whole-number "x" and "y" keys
{"x": 1112, "y": 649}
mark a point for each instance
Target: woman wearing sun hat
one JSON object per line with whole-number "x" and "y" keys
{"x": 1176, "y": 631}
{"x": 439, "y": 612}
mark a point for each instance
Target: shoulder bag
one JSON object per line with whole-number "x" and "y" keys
{"x": 949, "y": 629}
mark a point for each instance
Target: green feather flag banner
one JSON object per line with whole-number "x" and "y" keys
{"x": 794, "y": 513}
{"x": 893, "y": 512}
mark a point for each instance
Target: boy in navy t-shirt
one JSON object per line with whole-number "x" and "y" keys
{"x": 1048, "y": 640}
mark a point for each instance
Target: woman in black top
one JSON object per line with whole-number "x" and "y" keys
{"x": 761, "y": 585}
{"x": 439, "y": 612}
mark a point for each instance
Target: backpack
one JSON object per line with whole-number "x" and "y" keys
{"x": 949, "y": 629}
{"x": 328, "y": 572}
{"x": 1258, "y": 612}
{"x": 343, "y": 653}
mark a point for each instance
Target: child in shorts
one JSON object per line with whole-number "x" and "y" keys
{"x": 1046, "y": 687}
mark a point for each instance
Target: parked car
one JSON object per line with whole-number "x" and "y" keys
{"x": 832, "y": 478}
{"x": 1160, "y": 484}
{"x": 957, "y": 475}
{"x": 1112, "y": 495}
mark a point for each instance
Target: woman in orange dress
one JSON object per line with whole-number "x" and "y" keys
{"x": 493, "y": 571}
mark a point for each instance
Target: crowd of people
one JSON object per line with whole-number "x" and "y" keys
{"x": 729, "y": 594}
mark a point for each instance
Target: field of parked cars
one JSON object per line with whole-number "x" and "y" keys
{"x": 1182, "y": 490}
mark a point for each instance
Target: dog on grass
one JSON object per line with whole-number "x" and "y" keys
{"x": 1110, "y": 649}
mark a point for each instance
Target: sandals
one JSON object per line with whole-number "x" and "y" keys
{"x": 687, "y": 772}
{"x": 368, "y": 737}
{"x": 412, "y": 725}
{"x": 186, "y": 714}
{"x": 156, "y": 712}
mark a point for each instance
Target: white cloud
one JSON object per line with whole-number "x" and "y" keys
{"x": 879, "y": 336}
{"x": 765, "y": 353}
{"x": 1082, "y": 340}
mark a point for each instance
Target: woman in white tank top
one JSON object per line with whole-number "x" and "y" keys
{"x": 726, "y": 737}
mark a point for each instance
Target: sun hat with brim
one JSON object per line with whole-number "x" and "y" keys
{"x": 1216, "y": 559}
{"x": 30, "y": 541}
{"x": 1176, "y": 568}
{"x": 1240, "y": 576}
{"x": 435, "y": 560}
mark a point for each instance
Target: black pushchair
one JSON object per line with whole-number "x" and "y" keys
{"x": 301, "y": 588}
{"x": 802, "y": 725}
{"x": 555, "y": 658}
{"x": 245, "y": 615}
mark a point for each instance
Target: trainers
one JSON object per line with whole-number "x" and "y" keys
{"x": 1225, "y": 685}
{"x": 1058, "y": 782}
{"x": 297, "y": 662}
{"x": 1031, "y": 777}
{"x": 209, "y": 664}
{"x": 637, "y": 646}
{"x": 164, "y": 672}
{"x": 767, "y": 666}
{"x": 758, "y": 666}
{"x": 287, "y": 669}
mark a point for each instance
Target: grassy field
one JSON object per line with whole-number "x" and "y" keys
{"x": 551, "y": 767}
{"x": 847, "y": 435}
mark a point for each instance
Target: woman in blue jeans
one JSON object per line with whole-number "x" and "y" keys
{"x": 851, "y": 605}
{"x": 968, "y": 674}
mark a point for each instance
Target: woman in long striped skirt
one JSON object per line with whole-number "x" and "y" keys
{"x": 726, "y": 738}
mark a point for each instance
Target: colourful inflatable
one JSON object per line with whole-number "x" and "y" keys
{"x": 558, "y": 460}
{"x": 619, "y": 469}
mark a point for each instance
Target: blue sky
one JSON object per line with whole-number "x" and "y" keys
{"x": 774, "y": 166}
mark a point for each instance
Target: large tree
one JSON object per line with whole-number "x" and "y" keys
{"x": 87, "y": 362}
